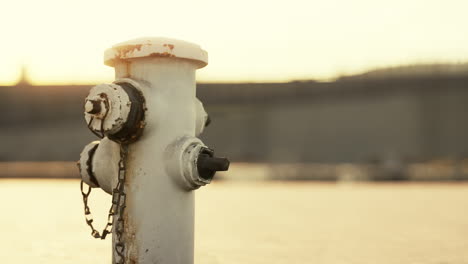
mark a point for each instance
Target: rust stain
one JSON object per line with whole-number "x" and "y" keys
{"x": 161, "y": 54}
{"x": 130, "y": 239}
{"x": 129, "y": 226}
{"x": 133, "y": 260}
{"x": 170, "y": 46}
{"x": 123, "y": 51}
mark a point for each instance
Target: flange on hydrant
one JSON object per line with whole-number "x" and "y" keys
{"x": 149, "y": 157}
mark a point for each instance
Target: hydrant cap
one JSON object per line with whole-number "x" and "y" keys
{"x": 156, "y": 47}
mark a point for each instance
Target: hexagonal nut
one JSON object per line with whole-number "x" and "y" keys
{"x": 95, "y": 106}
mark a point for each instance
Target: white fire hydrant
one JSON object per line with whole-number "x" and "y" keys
{"x": 149, "y": 157}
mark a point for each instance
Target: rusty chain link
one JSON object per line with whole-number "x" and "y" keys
{"x": 119, "y": 200}
{"x": 121, "y": 197}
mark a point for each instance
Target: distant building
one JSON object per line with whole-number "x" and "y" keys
{"x": 24, "y": 77}
{"x": 408, "y": 116}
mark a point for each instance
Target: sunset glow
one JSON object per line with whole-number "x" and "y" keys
{"x": 63, "y": 42}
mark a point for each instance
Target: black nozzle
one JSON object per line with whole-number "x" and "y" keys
{"x": 213, "y": 163}
{"x": 208, "y": 165}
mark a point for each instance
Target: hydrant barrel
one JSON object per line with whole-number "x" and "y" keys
{"x": 159, "y": 215}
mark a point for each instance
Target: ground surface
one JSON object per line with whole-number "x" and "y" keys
{"x": 41, "y": 222}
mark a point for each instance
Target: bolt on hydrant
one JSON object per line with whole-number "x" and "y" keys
{"x": 149, "y": 157}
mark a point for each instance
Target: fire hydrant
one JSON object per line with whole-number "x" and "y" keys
{"x": 149, "y": 157}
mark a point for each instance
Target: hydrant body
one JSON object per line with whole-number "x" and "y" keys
{"x": 161, "y": 168}
{"x": 160, "y": 214}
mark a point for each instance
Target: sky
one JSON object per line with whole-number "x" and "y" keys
{"x": 62, "y": 42}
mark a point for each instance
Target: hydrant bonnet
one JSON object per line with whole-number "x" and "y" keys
{"x": 158, "y": 48}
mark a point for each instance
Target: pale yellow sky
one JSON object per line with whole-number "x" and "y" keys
{"x": 247, "y": 40}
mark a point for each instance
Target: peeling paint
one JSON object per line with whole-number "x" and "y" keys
{"x": 123, "y": 51}
{"x": 155, "y": 47}
{"x": 161, "y": 54}
{"x": 170, "y": 46}
{"x": 126, "y": 51}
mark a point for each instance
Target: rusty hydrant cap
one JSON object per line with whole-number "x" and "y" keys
{"x": 156, "y": 47}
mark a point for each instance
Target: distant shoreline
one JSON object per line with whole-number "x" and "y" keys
{"x": 342, "y": 172}
{"x": 38, "y": 170}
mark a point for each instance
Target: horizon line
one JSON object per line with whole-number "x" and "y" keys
{"x": 25, "y": 80}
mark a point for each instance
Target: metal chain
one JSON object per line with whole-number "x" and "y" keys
{"x": 121, "y": 203}
{"x": 119, "y": 200}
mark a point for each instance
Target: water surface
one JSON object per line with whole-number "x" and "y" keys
{"x": 255, "y": 222}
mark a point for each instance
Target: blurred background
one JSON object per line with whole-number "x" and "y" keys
{"x": 345, "y": 122}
